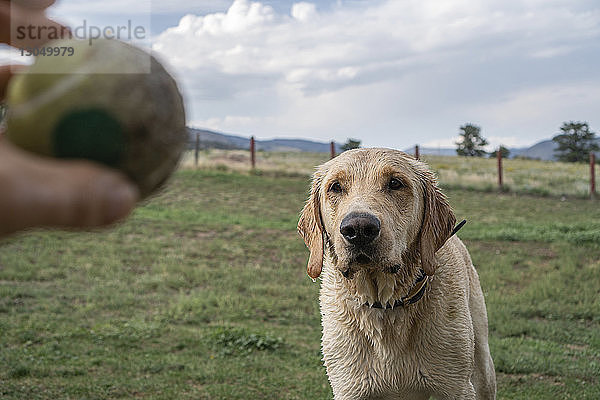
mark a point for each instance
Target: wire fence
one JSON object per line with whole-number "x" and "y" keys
{"x": 533, "y": 177}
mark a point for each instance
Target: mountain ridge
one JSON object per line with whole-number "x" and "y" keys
{"x": 208, "y": 139}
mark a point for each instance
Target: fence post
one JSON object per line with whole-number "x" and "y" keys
{"x": 592, "y": 176}
{"x": 417, "y": 155}
{"x": 332, "y": 149}
{"x": 252, "y": 152}
{"x": 196, "y": 154}
{"x": 499, "y": 157}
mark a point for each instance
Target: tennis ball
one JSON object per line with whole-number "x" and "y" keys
{"x": 108, "y": 102}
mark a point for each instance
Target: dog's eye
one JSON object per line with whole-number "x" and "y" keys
{"x": 335, "y": 187}
{"x": 395, "y": 184}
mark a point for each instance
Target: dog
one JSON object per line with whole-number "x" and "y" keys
{"x": 402, "y": 309}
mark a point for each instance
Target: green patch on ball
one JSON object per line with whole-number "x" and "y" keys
{"x": 110, "y": 103}
{"x": 93, "y": 134}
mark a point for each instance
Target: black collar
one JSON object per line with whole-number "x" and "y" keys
{"x": 412, "y": 297}
{"x": 457, "y": 227}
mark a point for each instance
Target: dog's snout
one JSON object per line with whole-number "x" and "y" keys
{"x": 360, "y": 229}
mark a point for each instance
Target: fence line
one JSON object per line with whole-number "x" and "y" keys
{"x": 252, "y": 152}
{"x": 499, "y": 158}
{"x": 592, "y": 176}
{"x": 417, "y": 155}
{"x": 197, "y": 151}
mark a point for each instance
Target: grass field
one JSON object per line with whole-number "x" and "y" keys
{"x": 202, "y": 294}
{"x": 540, "y": 178}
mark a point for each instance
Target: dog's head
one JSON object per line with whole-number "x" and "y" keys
{"x": 373, "y": 208}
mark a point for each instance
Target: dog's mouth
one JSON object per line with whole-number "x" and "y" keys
{"x": 362, "y": 258}
{"x": 363, "y": 261}
{"x": 357, "y": 261}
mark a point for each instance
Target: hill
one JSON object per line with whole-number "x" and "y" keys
{"x": 539, "y": 151}
{"x": 432, "y": 151}
{"x": 543, "y": 150}
{"x": 214, "y": 140}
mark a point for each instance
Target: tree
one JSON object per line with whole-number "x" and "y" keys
{"x": 351, "y": 144}
{"x": 575, "y": 143}
{"x": 503, "y": 151}
{"x": 471, "y": 142}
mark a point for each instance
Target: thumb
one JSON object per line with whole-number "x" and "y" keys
{"x": 47, "y": 192}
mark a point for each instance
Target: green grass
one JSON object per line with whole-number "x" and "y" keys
{"x": 539, "y": 178}
{"x": 203, "y": 294}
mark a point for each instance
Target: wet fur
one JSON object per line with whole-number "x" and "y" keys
{"x": 436, "y": 347}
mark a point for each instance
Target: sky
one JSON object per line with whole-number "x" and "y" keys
{"x": 390, "y": 73}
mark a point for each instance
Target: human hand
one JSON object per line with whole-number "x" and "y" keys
{"x": 37, "y": 191}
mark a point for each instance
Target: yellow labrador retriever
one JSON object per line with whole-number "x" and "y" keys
{"x": 402, "y": 309}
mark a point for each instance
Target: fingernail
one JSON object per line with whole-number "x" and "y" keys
{"x": 120, "y": 202}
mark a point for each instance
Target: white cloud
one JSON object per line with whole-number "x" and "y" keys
{"x": 528, "y": 108}
{"x": 12, "y": 56}
{"x": 304, "y": 11}
{"x": 550, "y": 52}
{"x": 507, "y": 141}
{"x": 230, "y": 123}
{"x": 86, "y": 7}
{"x": 442, "y": 143}
{"x": 383, "y": 68}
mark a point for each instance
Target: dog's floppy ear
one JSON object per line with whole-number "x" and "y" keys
{"x": 310, "y": 228}
{"x": 437, "y": 225}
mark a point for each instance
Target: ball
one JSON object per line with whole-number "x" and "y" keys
{"x": 108, "y": 102}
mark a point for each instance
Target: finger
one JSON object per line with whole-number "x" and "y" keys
{"x": 6, "y": 72}
{"x": 45, "y": 192}
{"x": 24, "y": 27}
{"x": 36, "y": 4}
{"x": 4, "y": 22}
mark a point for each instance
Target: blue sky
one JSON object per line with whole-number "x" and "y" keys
{"x": 391, "y": 73}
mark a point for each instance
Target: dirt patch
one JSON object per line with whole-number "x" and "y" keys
{"x": 520, "y": 378}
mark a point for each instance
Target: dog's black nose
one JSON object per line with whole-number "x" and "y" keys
{"x": 360, "y": 229}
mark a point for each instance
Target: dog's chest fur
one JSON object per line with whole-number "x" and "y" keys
{"x": 345, "y": 299}
{"x": 362, "y": 346}
{"x": 385, "y": 351}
